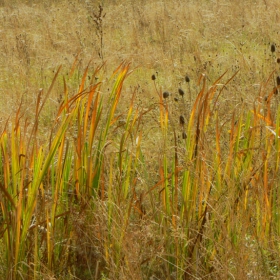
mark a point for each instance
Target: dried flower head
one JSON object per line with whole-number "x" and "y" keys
{"x": 181, "y": 92}
{"x": 278, "y": 80}
{"x": 182, "y": 120}
{"x": 187, "y": 79}
{"x": 153, "y": 77}
{"x": 165, "y": 94}
{"x": 272, "y": 48}
{"x": 278, "y": 60}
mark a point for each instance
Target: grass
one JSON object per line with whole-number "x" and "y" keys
{"x": 108, "y": 171}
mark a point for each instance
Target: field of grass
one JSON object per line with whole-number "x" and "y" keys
{"x": 139, "y": 139}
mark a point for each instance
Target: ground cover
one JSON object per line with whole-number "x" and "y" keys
{"x": 139, "y": 140}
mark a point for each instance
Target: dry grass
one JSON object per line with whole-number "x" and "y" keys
{"x": 105, "y": 180}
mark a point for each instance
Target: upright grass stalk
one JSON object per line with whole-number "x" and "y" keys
{"x": 102, "y": 144}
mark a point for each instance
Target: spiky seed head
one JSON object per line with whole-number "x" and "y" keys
{"x": 278, "y": 80}
{"x": 184, "y": 135}
{"x": 272, "y": 48}
{"x": 181, "y": 92}
{"x": 182, "y": 120}
{"x": 165, "y": 94}
{"x": 153, "y": 77}
{"x": 187, "y": 79}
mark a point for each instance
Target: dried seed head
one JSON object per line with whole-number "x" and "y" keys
{"x": 272, "y": 48}
{"x": 278, "y": 80}
{"x": 278, "y": 60}
{"x": 153, "y": 77}
{"x": 182, "y": 120}
{"x": 184, "y": 135}
{"x": 181, "y": 92}
{"x": 176, "y": 99}
{"x": 165, "y": 94}
{"x": 187, "y": 79}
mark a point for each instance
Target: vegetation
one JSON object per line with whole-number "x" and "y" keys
{"x": 139, "y": 140}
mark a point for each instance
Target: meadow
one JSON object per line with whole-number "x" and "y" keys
{"x": 139, "y": 139}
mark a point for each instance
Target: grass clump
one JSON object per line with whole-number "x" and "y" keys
{"x": 104, "y": 176}
{"x": 83, "y": 203}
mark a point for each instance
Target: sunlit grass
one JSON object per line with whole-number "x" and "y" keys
{"x": 216, "y": 187}
{"x": 116, "y": 173}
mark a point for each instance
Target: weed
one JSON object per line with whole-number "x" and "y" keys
{"x": 98, "y": 18}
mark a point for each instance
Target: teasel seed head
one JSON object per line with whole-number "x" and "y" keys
{"x": 181, "y": 92}
{"x": 278, "y": 80}
{"x": 165, "y": 94}
{"x": 187, "y": 79}
{"x": 182, "y": 120}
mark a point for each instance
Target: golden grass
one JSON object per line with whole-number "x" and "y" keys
{"x": 103, "y": 175}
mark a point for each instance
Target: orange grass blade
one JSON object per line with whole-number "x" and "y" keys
{"x": 95, "y": 117}
{"x": 224, "y": 86}
{"x": 74, "y": 64}
{"x": 161, "y": 181}
{"x": 81, "y": 89}
{"x": 49, "y": 90}
{"x": 267, "y": 120}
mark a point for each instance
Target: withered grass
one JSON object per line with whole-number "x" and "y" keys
{"x": 139, "y": 140}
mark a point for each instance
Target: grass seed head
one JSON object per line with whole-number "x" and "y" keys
{"x": 181, "y": 92}
{"x": 272, "y": 48}
{"x": 165, "y": 94}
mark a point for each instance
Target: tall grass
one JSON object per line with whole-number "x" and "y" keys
{"x": 216, "y": 193}
{"x": 117, "y": 178}
{"x": 41, "y": 181}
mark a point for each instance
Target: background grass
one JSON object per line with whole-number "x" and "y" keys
{"x": 104, "y": 178}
